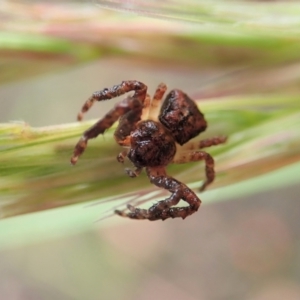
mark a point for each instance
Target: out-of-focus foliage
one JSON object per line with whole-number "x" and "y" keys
{"x": 44, "y": 36}
{"x": 250, "y": 15}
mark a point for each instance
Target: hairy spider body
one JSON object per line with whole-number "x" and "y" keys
{"x": 151, "y": 145}
{"x": 182, "y": 117}
{"x": 152, "y": 132}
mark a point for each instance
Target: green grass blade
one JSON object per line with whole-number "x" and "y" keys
{"x": 35, "y": 173}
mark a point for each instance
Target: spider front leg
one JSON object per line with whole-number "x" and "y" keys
{"x": 186, "y": 157}
{"x": 131, "y": 173}
{"x": 121, "y": 156}
{"x": 163, "y": 209}
{"x": 117, "y": 90}
{"x": 131, "y": 105}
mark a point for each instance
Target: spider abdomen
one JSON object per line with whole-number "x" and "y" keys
{"x": 151, "y": 145}
{"x": 182, "y": 117}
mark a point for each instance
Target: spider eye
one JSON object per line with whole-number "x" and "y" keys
{"x": 180, "y": 115}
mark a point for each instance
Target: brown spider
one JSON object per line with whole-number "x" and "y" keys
{"x": 152, "y": 133}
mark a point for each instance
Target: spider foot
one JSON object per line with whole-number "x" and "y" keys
{"x": 134, "y": 213}
{"x": 210, "y": 176}
{"x": 132, "y": 173}
{"x": 121, "y": 157}
{"x": 79, "y": 149}
{"x": 156, "y": 213}
{"x": 203, "y": 186}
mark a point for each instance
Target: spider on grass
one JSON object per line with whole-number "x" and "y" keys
{"x": 152, "y": 133}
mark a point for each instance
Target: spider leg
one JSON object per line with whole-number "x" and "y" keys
{"x": 156, "y": 101}
{"x": 131, "y": 173}
{"x": 128, "y": 123}
{"x": 134, "y": 173}
{"x": 131, "y": 105}
{"x": 163, "y": 209}
{"x": 121, "y": 156}
{"x": 186, "y": 157}
{"x": 192, "y": 145}
{"x": 146, "y": 109}
{"x": 139, "y": 88}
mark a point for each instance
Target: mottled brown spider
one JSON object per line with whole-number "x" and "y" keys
{"x": 153, "y": 133}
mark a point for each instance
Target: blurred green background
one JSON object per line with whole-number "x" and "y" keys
{"x": 240, "y": 60}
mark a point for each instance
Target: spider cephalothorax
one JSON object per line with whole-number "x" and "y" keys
{"x": 152, "y": 133}
{"x": 151, "y": 145}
